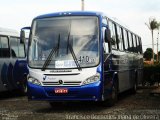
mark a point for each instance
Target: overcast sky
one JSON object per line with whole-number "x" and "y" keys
{"x": 16, "y": 14}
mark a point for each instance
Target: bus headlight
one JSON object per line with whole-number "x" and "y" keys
{"x": 34, "y": 81}
{"x": 92, "y": 79}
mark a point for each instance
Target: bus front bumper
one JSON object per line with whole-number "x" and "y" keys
{"x": 90, "y": 92}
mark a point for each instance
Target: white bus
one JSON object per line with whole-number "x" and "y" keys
{"x": 13, "y": 69}
{"x": 82, "y": 56}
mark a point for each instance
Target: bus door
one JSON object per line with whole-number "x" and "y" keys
{"x": 107, "y": 62}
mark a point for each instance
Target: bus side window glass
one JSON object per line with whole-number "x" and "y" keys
{"x": 119, "y": 38}
{"x": 125, "y": 39}
{"x": 133, "y": 46}
{"x": 113, "y": 35}
{"x": 138, "y": 47}
{"x": 5, "y": 51}
{"x": 21, "y": 49}
{"x": 14, "y": 46}
{"x": 136, "y": 44}
{"x": 130, "y": 42}
{"x": 4, "y": 42}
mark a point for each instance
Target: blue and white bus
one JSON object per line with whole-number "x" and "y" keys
{"x": 82, "y": 56}
{"x": 13, "y": 64}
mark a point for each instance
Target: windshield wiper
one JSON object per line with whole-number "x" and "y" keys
{"x": 51, "y": 54}
{"x": 75, "y": 58}
{"x": 73, "y": 53}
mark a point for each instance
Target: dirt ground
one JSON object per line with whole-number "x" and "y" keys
{"x": 139, "y": 106}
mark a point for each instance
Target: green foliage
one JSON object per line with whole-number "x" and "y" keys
{"x": 155, "y": 56}
{"x": 151, "y": 74}
{"x": 149, "y": 49}
{"x": 153, "y": 24}
{"x": 148, "y": 54}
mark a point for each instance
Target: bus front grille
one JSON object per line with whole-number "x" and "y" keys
{"x": 65, "y": 83}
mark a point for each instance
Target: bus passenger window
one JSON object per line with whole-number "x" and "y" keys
{"x": 17, "y": 49}
{"x": 130, "y": 42}
{"x": 113, "y": 35}
{"x": 119, "y": 38}
{"x": 4, "y": 47}
{"x": 138, "y": 45}
{"x": 14, "y": 46}
{"x": 4, "y": 42}
{"x": 125, "y": 39}
{"x": 134, "y": 43}
{"x": 21, "y": 49}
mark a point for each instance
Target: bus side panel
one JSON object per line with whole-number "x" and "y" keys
{"x": 19, "y": 72}
{"x": 6, "y": 68}
{"x": 125, "y": 64}
{"x": 140, "y": 70}
{"x": 12, "y": 73}
{"x": 3, "y": 77}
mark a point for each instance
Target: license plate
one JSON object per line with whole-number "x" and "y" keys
{"x": 61, "y": 90}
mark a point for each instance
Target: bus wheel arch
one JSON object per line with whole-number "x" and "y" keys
{"x": 114, "y": 92}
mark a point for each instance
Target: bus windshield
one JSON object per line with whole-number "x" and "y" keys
{"x": 63, "y": 41}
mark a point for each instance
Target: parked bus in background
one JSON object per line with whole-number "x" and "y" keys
{"x": 13, "y": 66}
{"x": 82, "y": 56}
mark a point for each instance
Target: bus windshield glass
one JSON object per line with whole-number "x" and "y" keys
{"x": 63, "y": 41}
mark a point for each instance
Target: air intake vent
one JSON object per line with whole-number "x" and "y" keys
{"x": 65, "y": 83}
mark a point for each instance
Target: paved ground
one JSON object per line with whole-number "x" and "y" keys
{"x": 141, "y": 106}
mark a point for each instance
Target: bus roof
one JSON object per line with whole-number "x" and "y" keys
{"x": 9, "y": 32}
{"x": 69, "y": 13}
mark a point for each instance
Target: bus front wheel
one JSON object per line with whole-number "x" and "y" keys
{"x": 113, "y": 96}
{"x": 23, "y": 86}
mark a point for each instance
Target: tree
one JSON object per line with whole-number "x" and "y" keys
{"x": 157, "y": 41}
{"x": 153, "y": 24}
{"x": 148, "y": 54}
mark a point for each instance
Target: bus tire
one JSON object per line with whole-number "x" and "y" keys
{"x": 23, "y": 86}
{"x": 114, "y": 96}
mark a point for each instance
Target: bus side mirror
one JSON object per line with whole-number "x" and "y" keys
{"x": 107, "y": 35}
{"x": 22, "y": 36}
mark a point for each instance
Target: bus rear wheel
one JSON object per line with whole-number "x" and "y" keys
{"x": 134, "y": 89}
